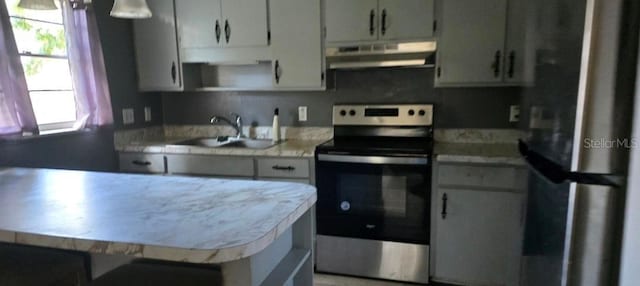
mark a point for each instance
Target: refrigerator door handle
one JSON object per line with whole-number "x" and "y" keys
{"x": 557, "y": 174}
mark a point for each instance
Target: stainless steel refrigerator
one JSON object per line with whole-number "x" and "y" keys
{"x": 577, "y": 115}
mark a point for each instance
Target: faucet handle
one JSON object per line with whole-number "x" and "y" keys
{"x": 235, "y": 115}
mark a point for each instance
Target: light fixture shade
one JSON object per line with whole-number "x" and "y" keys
{"x": 37, "y": 4}
{"x": 130, "y": 9}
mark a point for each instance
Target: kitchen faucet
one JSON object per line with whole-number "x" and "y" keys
{"x": 237, "y": 125}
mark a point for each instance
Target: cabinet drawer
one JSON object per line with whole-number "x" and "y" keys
{"x": 482, "y": 176}
{"x": 210, "y": 165}
{"x": 283, "y": 168}
{"x": 142, "y": 163}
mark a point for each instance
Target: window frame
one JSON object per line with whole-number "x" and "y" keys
{"x": 50, "y": 127}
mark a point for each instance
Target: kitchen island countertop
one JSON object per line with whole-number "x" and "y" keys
{"x": 185, "y": 219}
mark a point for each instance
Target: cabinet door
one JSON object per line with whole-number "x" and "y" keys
{"x": 156, "y": 47}
{"x": 405, "y": 19}
{"x": 471, "y": 42}
{"x": 478, "y": 240}
{"x": 245, "y": 23}
{"x": 199, "y": 23}
{"x": 520, "y": 47}
{"x": 351, "y": 21}
{"x": 297, "y": 43}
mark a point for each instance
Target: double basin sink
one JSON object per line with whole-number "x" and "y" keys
{"x": 227, "y": 142}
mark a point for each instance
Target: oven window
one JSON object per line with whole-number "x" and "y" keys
{"x": 374, "y": 201}
{"x": 372, "y": 195}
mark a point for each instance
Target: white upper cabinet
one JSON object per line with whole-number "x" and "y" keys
{"x": 405, "y": 19}
{"x": 519, "y": 49}
{"x": 484, "y": 43}
{"x": 245, "y": 22}
{"x": 297, "y": 44}
{"x": 222, "y": 23}
{"x": 200, "y": 23}
{"x": 351, "y": 21}
{"x": 363, "y": 21}
{"x": 471, "y": 42}
{"x": 155, "y": 40}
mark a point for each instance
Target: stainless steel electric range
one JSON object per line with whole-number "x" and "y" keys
{"x": 374, "y": 189}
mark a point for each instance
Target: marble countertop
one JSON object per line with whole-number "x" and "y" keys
{"x": 187, "y": 219}
{"x": 489, "y": 153}
{"x": 288, "y": 148}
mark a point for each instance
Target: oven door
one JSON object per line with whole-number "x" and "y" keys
{"x": 374, "y": 197}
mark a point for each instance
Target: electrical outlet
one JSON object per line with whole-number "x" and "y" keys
{"x": 147, "y": 114}
{"x": 302, "y": 113}
{"x": 514, "y": 113}
{"x": 128, "y": 116}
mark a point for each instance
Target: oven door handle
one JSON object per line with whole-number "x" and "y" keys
{"x": 379, "y": 160}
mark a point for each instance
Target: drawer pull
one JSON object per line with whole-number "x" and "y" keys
{"x": 283, "y": 168}
{"x": 444, "y": 206}
{"x": 141, "y": 163}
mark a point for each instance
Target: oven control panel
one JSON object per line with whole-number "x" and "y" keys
{"x": 384, "y": 115}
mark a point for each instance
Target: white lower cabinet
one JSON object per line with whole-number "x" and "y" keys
{"x": 478, "y": 231}
{"x": 295, "y": 170}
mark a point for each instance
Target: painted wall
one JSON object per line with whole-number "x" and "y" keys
{"x": 81, "y": 151}
{"x": 454, "y": 107}
{"x": 119, "y": 57}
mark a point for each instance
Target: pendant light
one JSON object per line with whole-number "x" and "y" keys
{"x": 130, "y": 9}
{"x": 37, "y": 4}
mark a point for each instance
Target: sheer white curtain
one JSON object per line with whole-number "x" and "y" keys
{"x": 16, "y": 113}
{"x": 87, "y": 64}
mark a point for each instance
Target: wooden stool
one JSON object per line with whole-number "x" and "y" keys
{"x": 34, "y": 266}
{"x": 139, "y": 274}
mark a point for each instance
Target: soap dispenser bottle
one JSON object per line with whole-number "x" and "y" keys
{"x": 275, "y": 131}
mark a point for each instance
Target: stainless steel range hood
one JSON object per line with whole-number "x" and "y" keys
{"x": 380, "y": 55}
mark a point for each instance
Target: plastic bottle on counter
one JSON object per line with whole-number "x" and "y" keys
{"x": 275, "y": 131}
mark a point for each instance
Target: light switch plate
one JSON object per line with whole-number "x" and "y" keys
{"x": 514, "y": 113}
{"x": 147, "y": 114}
{"x": 127, "y": 116}
{"x": 302, "y": 113}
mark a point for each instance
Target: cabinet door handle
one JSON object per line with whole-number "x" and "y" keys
{"x": 174, "y": 72}
{"x": 512, "y": 64}
{"x": 140, "y": 163}
{"x": 218, "y": 31}
{"x": 383, "y": 28}
{"x": 496, "y": 64}
{"x": 444, "y": 206}
{"x": 372, "y": 19}
{"x": 227, "y": 30}
{"x": 277, "y": 71}
{"x": 284, "y": 168}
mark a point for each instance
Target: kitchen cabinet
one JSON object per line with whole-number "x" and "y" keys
{"x": 483, "y": 43}
{"x": 296, "y": 44}
{"x": 142, "y": 163}
{"x": 362, "y": 21}
{"x": 157, "y": 56}
{"x": 298, "y": 170}
{"x": 405, "y": 20}
{"x": 200, "y": 165}
{"x": 478, "y": 214}
{"x": 222, "y": 23}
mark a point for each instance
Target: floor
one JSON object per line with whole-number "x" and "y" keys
{"x": 334, "y": 280}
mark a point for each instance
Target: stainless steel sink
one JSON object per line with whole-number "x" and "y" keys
{"x": 250, "y": 143}
{"x": 227, "y": 142}
{"x": 204, "y": 142}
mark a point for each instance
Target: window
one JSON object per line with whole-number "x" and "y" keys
{"x": 40, "y": 38}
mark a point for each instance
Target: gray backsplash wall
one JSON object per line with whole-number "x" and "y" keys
{"x": 454, "y": 107}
